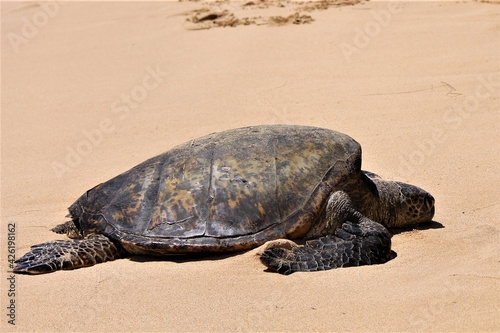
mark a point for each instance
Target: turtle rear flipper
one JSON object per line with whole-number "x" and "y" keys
{"x": 366, "y": 243}
{"x": 68, "y": 254}
{"x": 70, "y": 229}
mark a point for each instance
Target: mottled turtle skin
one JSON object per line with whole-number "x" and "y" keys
{"x": 236, "y": 190}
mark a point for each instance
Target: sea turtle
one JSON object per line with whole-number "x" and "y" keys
{"x": 233, "y": 191}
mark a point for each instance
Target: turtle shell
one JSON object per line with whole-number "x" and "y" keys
{"x": 226, "y": 191}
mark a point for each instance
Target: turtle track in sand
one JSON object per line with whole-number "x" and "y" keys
{"x": 214, "y": 14}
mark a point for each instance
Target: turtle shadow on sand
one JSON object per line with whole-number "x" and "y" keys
{"x": 183, "y": 258}
{"x": 423, "y": 226}
{"x": 190, "y": 257}
{"x": 234, "y": 191}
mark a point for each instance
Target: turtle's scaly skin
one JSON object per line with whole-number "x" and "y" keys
{"x": 62, "y": 254}
{"x": 233, "y": 191}
{"x": 366, "y": 243}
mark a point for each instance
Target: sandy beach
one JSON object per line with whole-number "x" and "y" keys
{"x": 90, "y": 89}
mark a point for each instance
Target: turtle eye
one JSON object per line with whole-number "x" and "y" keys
{"x": 429, "y": 201}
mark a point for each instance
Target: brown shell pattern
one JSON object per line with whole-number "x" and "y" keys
{"x": 229, "y": 184}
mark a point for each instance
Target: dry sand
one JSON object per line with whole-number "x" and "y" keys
{"x": 416, "y": 84}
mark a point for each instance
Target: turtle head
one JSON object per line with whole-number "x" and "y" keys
{"x": 413, "y": 205}
{"x": 401, "y": 205}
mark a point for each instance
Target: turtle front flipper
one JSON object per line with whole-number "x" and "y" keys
{"x": 68, "y": 254}
{"x": 366, "y": 243}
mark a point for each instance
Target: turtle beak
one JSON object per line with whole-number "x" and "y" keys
{"x": 417, "y": 205}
